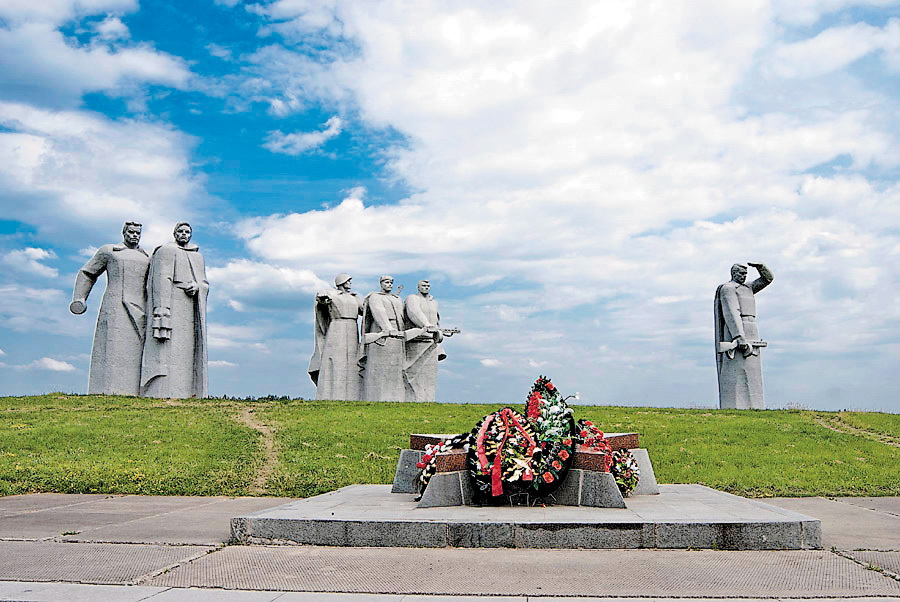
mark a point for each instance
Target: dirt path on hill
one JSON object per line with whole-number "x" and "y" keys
{"x": 270, "y": 454}
{"x": 835, "y": 423}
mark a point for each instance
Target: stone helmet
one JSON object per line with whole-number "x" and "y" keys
{"x": 341, "y": 279}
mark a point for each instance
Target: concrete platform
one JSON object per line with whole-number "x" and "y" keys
{"x": 682, "y": 516}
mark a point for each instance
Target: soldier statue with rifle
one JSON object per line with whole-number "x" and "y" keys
{"x": 737, "y": 339}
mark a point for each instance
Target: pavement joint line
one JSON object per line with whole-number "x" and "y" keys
{"x": 108, "y": 496}
{"x": 89, "y": 529}
{"x": 842, "y": 501}
{"x": 881, "y": 570}
{"x": 148, "y": 576}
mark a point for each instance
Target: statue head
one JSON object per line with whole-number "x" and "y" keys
{"x": 131, "y": 234}
{"x": 387, "y": 283}
{"x": 424, "y": 286}
{"x": 182, "y": 233}
{"x": 739, "y": 273}
{"x": 342, "y": 281}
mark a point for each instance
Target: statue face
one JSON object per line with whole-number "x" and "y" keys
{"x": 387, "y": 285}
{"x": 183, "y": 234}
{"x": 132, "y": 236}
{"x": 739, "y": 274}
{"x": 345, "y": 286}
{"x": 424, "y": 287}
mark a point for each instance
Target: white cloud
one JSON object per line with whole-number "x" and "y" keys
{"x": 24, "y": 309}
{"x": 250, "y": 282}
{"x": 219, "y": 51}
{"x": 301, "y": 142}
{"x": 29, "y": 260}
{"x": 491, "y": 363}
{"x": 63, "y": 167}
{"x": 2, "y": 353}
{"x": 48, "y": 363}
{"x": 38, "y": 65}
{"x": 112, "y": 28}
{"x": 600, "y": 162}
{"x": 60, "y": 11}
{"x": 222, "y": 364}
{"x": 833, "y": 49}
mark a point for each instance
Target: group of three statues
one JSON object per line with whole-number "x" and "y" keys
{"x": 396, "y": 357}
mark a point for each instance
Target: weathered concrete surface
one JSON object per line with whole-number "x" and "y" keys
{"x": 682, "y": 516}
{"x": 847, "y": 524}
{"x": 533, "y": 572}
{"x": 124, "y": 518}
{"x": 578, "y": 573}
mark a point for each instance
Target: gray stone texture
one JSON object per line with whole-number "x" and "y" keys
{"x": 334, "y": 367}
{"x": 121, "y": 321}
{"x": 599, "y": 490}
{"x": 739, "y": 370}
{"x": 407, "y": 474}
{"x": 686, "y": 516}
{"x": 647, "y": 483}
{"x": 850, "y": 523}
{"x": 175, "y": 351}
{"x": 447, "y": 489}
{"x": 424, "y": 351}
{"x": 382, "y": 357}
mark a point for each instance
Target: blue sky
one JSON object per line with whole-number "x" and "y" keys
{"x": 575, "y": 182}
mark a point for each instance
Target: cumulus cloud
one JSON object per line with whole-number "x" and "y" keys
{"x": 222, "y": 364}
{"x": 39, "y": 65}
{"x": 24, "y": 309}
{"x": 604, "y": 160}
{"x": 63, "y": 167}
{"x": 491, "y": 363}
{"x": 45, "y": 363}
{"x": 29, "y": 260}
{"x": 301, "y": 142}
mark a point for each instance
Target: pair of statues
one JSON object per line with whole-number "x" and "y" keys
{"x": 396, "y": 356}
{"x": 151, "y": 329}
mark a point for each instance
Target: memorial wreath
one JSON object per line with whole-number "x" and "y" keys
{"x": 510, "y": 454}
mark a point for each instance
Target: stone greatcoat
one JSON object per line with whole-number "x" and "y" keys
{"x": 177, "y": 366}
{"x": 119, "y": 337}
{"x": 425, "y": 351}
{"x": 333, "y": 367}
{"x": 740, "y": 378}
{"x": 382, "y": 361}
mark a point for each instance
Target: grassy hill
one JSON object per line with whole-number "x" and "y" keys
{"x": 105, "y": 444}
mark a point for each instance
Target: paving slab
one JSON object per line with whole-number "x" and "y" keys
{"x": 32, "y": 502}
{"x": 888, "y": 505}
{"x": 889, "y": 561}
{"x": 681, "y": 516}
{"x": 89, "y": 562}
{"x": 127, "y": 519}
{"x": 74, "y": 592}
{"x": 847, "y": 524}
{"x": 520, "y": 572}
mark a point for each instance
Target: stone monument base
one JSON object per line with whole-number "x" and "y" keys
{"x": 681, "y": 516}
{"x": 587, "y": 484}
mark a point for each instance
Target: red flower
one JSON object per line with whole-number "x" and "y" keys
{"x": 427, "y": 458}
{"x": 589, "y": 423}
{"x": 550, "y": 386}
{"x": 548, "y": 477}
{"x": 420, "y": 464}
{"x": 556, "y": 465}
{"x": 567, "y": 441}
{"x": 583, "y": 433}
{"x": 563, "y": 454}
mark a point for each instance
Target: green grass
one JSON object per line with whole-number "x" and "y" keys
{"x": 85, "y": 444}
{"x": 883, "y": 424}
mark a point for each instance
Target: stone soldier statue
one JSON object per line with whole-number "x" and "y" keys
{"x": 119, "y": 337}
{"x": 737, "y": 339}
{"x": 424, "y": 351}
{"x": 175, "y": 353}
{"x": 333, "y": 367}
{"x": 382, "y": 354}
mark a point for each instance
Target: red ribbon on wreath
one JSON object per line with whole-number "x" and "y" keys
{"x": 497, "y": 469}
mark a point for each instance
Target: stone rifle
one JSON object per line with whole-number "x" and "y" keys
{"x": 406, "y": 335}
{"x": 729, "y": 348}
